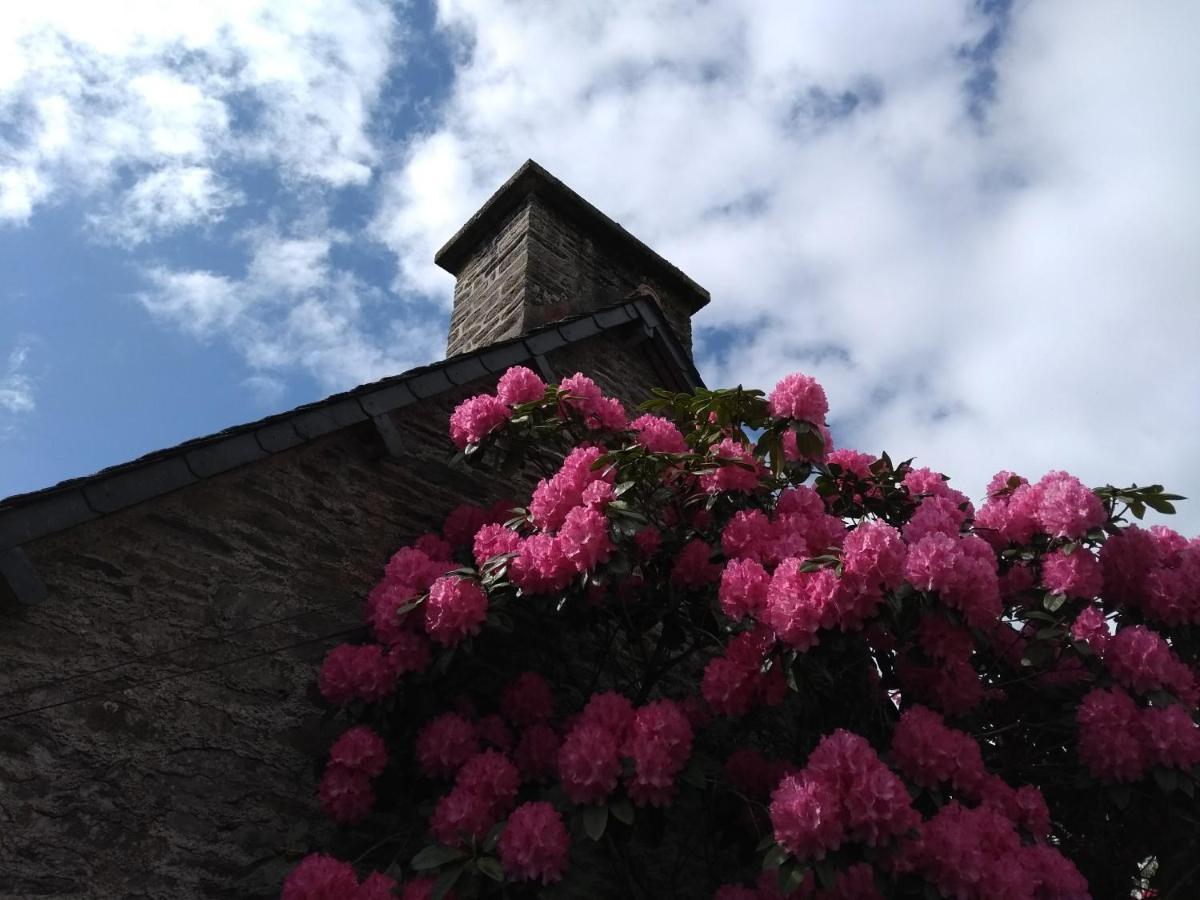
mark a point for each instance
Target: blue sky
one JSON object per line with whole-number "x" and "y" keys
{"x": 974, "y": 221}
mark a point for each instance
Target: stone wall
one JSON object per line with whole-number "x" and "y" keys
{"x": 161, "y": 733}
{"x": 540, "y": 266}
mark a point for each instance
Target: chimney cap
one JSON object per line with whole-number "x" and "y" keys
{"x": 532, "y": 179}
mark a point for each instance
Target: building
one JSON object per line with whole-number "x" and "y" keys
{"x": 161, "y": 621}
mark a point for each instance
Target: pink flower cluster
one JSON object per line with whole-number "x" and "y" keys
{"x": 737, "y": 468}
{"x": 659, "y": 435}
{"x": 734, "y": 683}
{"x": 962, "y": 570}
{"x": 556, "y": 496}
{"x": 1141, "y": 660}
{"x": 1157, "y": 571}
{"x": 356, "y": 672}
{"x": 845, "y": 793}
{"x": 484, "y": 791}
{"x": 1118, "y": 740}
{"x": 584, "y": 398}
{"x": 977, "y": 854}
{"x": 477, "y": 417}
{"x": 535, "y": 845}
{"x": 1059, "y": 505}
{"x": 321, "y": 877}
{"x": 456, "y": 609}
{"x": 660, "y": 744}
{"x": 799, "y": 397}
{"x": 929, "y": 753}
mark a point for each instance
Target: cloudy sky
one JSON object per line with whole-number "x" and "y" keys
{"x": 976, "y": 222}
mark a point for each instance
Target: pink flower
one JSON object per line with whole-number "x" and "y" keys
{"x": 554, "y": 497}
{"x": 456, "y": 608}
{"x": 320, "y": 877}
{"x": 1068, "y": 508}
{"x": 535, "y": 844}
{"x": 660, "y": 743}
{"x": 537, "y": 752}
{"x": 648, "y": 540}
{"x": 1127, "y": 558}
{"x": 730, "y": 689}
{"x": 1090, "y": 627}
{"x": 747, "y": 535}
{"x": 927, "y": 483}
{"x": 356, "y": 672}
{"x": 659, "y": 435}
{"x": 433, "y": 546}
{"x": 527, "y": 700}
{"x": 492, "y": 730}
{"x": 799, "y": 397}
{"x": 875, "y": 552}
{"x": 541, "y": 566}
{"x": 963, "y": 573}
{"x": 693, "y": 567}
{"x": 1076, "y": 574}
{"x": 930, "y": 753}
{"x": 799, "y": 602}
{"x": 461, "y": 816}
{"x": 1110, "y": 740}
{"x": 383, "y": 610}
{"x": 738, "y": 470}
{"x": 360, "y": 749}
{"x": 1142, "y": 661}
{"x": 584, "y": 398}
{"x": 610, "y": 711}
{"x": 1171, "y": 737}
{"x": 791, "y": 446}
{"x": 1010, "y": 518}
{"x": 413, "y": 567}
{"x": 743, "y": 590}
{"x": 492, "y": 777}
{"x": 464, "y": 522}
{"x": 376, "y": 886}
{"x": 875, "y": 803}
{"x": 584, "y": 538}
{"x": 493, "y": 540}
{"x": 589, "y": 763}
{"x": 520, "y": 385}
{"x": 445, "y": 743}
{"x": 345, "y": 794}
{"x": 934, "y": 515}
{"x": 476, "y": 418}
{"x": 806, "y": 814}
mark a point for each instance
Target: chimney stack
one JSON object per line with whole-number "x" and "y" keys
{"x": 537, "y": 252}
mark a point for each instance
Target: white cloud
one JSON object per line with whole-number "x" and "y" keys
{"x": 294, "y": 310}
{"x": 1017, "y": 292}
{"x": 16, "y": 388}
{"x": 148, "y": 105}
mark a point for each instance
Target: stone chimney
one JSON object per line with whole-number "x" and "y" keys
{"x": 537, "y": 252}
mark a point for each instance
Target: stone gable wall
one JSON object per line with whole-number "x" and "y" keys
{"x": 160, "y": 730}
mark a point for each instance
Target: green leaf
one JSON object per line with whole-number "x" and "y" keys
{"x": 791, "y": 877}
{"x": 490, "y": 866}
{"x": 445, "y": 882}
{"x": 1187, "y": 786}
{"x": 595, "y": 819}
{"x": 435, "y": 855}
{"x": 1054, "y": 602}
{"x": 622, "y": 810}
{"x": 493, "y": 837}
{"x": 774, "y": 858}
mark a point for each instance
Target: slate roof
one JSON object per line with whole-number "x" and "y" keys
{"x": 26, "y": 517}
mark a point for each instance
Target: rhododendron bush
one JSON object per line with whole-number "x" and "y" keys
{"x": 713, "y": 656}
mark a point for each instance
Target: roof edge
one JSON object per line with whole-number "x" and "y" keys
{"x": 531, "y": 179}
{"x": 27, "y": 517}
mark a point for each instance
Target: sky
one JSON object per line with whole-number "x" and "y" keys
{"x": 975, "y": 222}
